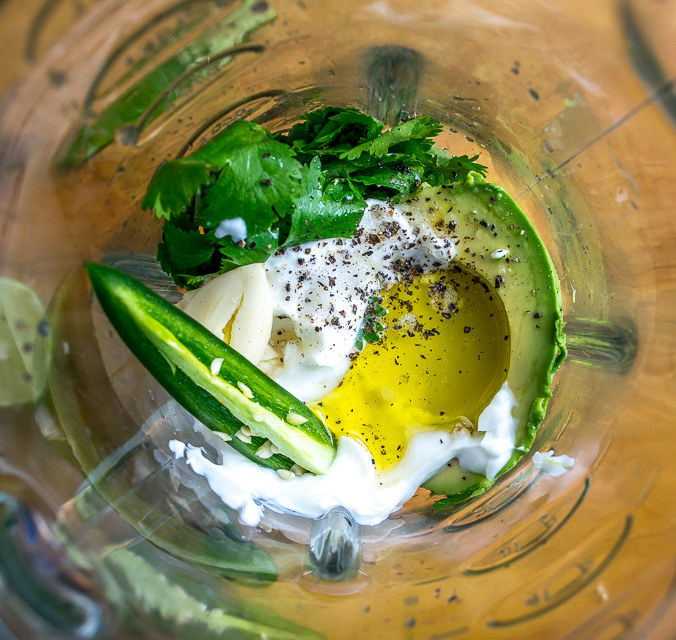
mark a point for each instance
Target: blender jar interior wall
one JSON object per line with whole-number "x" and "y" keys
{"x": 569, "y": 104}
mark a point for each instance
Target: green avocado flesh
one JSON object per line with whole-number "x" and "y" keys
{"x": 483, "y": 219}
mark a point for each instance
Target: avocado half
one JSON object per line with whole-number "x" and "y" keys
{"x": 484, "y": 219}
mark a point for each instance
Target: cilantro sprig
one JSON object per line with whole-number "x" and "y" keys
{"x": 289, "y": 188}
{"x": 372, "y": 329}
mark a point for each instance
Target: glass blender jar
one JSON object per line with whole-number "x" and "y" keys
{"x": 104, "y": 534}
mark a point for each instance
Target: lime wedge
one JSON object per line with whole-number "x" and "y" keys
{"x": 21, "y": 322}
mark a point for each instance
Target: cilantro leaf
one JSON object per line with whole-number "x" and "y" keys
{"x": 390, "y": 178}
{"x": 421, "y": 127}
{"x": 413, "y": 150}
{"x": 337, "y": 169}
{"x": 446, "y": 169}
{"x": 332, "y": 126}
{"x": 258, "y": 248}
{"x": 259, "y": 181}
{"x": 318, "y": 215}
{"x": 174, "y": 185}
{"x": 184, "y": 253}
{"x": 372, "y": 330}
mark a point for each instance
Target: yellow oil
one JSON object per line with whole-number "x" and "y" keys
{"x": 443, "y": 356}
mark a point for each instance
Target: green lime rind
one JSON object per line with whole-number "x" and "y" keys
{"x": 22, "y": 372}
